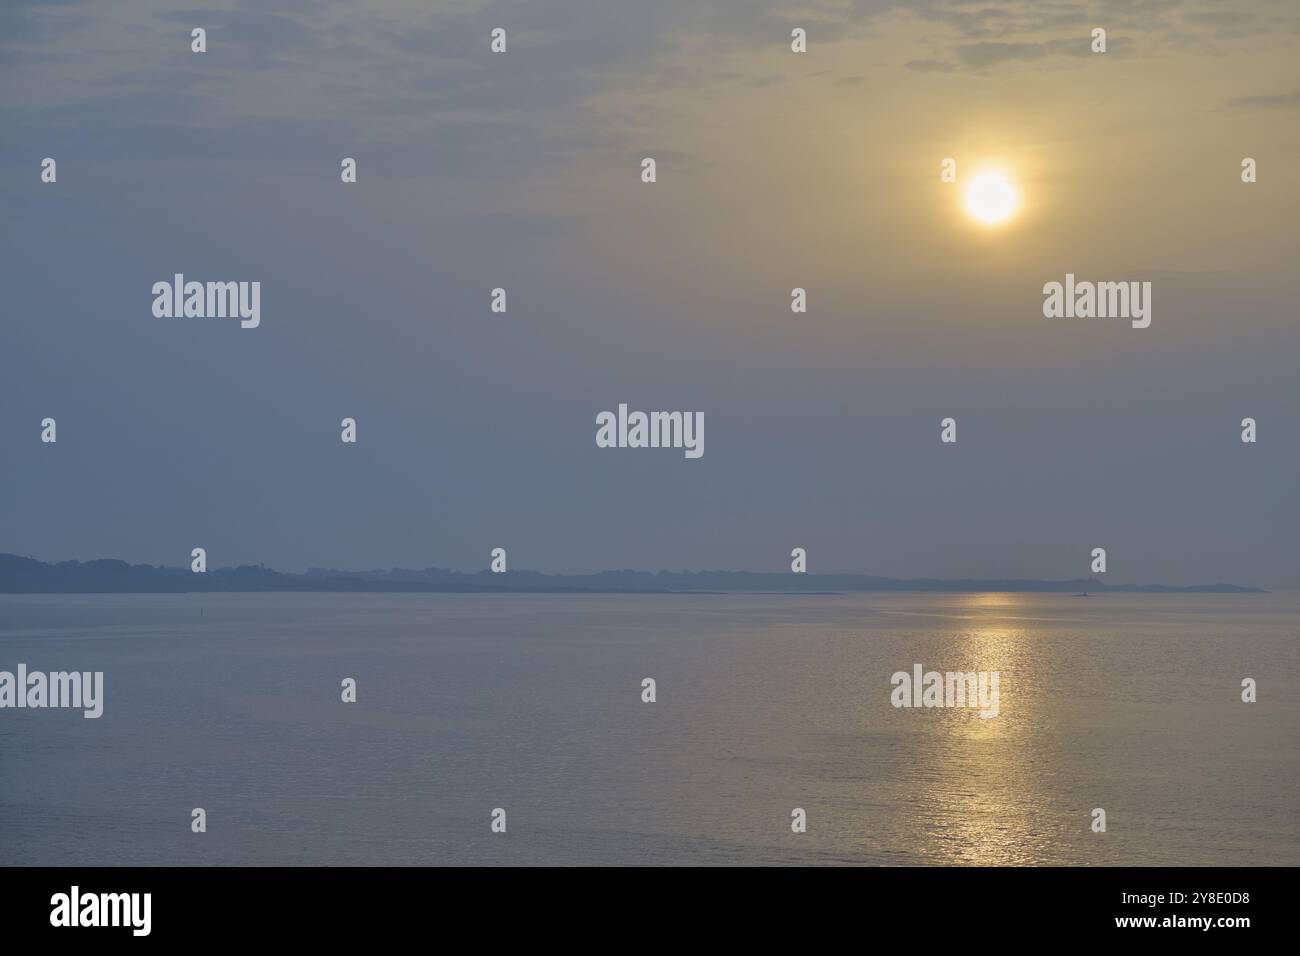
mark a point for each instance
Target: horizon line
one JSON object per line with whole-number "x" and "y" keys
{"x": 13, "y": 565}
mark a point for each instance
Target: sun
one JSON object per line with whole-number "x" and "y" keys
{"x": 991, "y": 199}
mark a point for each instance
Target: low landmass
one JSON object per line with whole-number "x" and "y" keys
{"x": 19, "y": 575}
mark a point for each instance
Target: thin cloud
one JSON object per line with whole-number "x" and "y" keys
{"x": 1284, "y": 101}
{"x": 930, "y": 66}
{"x": 978, "y": 56}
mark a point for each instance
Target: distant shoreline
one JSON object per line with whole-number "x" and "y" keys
{"x": 20, "y": 575}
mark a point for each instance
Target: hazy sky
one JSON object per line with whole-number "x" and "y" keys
{"x": 775, "y": 170}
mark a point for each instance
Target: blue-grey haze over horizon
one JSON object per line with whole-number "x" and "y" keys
{"x": 476, "y": 430}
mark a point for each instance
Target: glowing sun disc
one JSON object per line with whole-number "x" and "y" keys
{"x": 990, "y": 198}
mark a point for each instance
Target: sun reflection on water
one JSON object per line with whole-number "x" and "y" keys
{"x": 980, "y": 777}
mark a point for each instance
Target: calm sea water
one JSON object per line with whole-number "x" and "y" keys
{"x": 765, "y": 703}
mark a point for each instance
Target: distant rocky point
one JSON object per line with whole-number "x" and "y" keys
{"x": 20, "y": 575}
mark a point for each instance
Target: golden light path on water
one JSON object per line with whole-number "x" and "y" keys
{"x": 986, "y": 775}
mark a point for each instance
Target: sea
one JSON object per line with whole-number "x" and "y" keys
{"x": 516, "y": 729}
